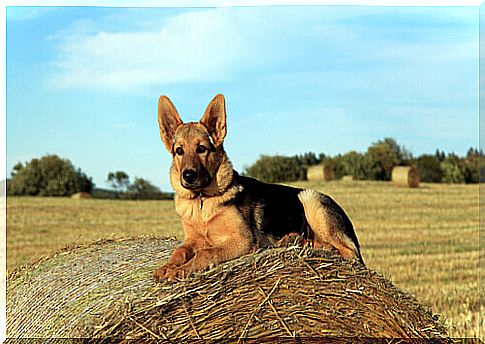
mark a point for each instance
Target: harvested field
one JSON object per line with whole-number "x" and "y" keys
{"x": 106, "y": 290}
{"x": 425, "y": 240}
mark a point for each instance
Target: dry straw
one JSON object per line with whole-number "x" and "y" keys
{"x": 107, "y": 291}
{"x": 55, "y": 296}
{"x": 405, "y": 176}
{"x": 320, "y": 173}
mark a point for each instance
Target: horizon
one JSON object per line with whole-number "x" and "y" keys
{"x": 83, "y": 82}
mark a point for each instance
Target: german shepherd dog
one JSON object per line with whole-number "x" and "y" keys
{"x": 225, "y": 215}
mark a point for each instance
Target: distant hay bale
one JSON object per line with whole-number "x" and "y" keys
{"x": 320, "y": 173}
{"x": 405, "y": 176}
{"x": 80, "y": 195}
{"x": 347, "y": 178}
{"x": 107, "y": 291}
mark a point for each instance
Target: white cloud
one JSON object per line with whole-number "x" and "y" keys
{"x": 214, "y": 45}
{"x": 203, "y": 45}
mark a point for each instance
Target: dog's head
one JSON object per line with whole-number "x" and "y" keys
{"x": 196, "y": 147}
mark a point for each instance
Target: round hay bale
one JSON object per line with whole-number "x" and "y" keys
{"x": 347, "y": 178}
{"x": 405, "y": 176}
{"x": 320, "y": 173}
{"x": 80, "y": 195}
{"x": 106, "y": 290}
{"x": 57, "y": 295}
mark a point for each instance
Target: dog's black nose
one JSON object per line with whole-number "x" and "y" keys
{"x": 189, "y": 176}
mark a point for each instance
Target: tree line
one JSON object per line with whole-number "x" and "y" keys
{"x": 375, "y": 164}
{"x": 54, "y": 176}
{"x": 139, "y": 189}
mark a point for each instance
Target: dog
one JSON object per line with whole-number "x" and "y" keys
{"x": 225, "y": 215}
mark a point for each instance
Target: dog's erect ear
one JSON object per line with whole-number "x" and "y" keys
{"x": 168, "y": 120}
{"x": 214, "y": 119}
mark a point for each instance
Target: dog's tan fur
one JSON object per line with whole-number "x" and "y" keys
{"x": 326, "y": 233}
{"x": 219, "y": 223}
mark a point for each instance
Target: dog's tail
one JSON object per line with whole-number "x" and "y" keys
{"x": 329, "y": 224}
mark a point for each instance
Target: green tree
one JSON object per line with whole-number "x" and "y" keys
{"x": 440, "y": 155}
{"x": 336, "y": 164}
{"x": 143, "y": 189}
{"x": 17, "y": 168}
{"x": 360, "y": 166}
{"x": 473, "y": 161}
{"x": 119, "y": 180}
{"x": 274, "y": 169}
{"x": 307, "y": 159}
{"x": 453, "y": 169}
{"x": 429, "y": 168}
{"x": 386, "y": 154}
{"x": 48, "y": 176}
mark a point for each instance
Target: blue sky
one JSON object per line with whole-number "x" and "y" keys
{"x": 84, "y": 82}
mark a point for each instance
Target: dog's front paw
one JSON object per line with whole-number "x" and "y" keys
{"x": 176, "y": 274}
{"x": 162, "y": 272}
{"x": 170, "y": 272}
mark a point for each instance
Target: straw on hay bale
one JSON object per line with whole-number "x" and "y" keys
{"x": 405, "y": 176}
{"x": 319, "y": 173}
{"x": 80, "y": 195}
{"x": 107, "y": 291}
{"x": 347, "y": 178}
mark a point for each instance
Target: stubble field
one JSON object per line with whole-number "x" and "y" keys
{"x": 425, "y": 240}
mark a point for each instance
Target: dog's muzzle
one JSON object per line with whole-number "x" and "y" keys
{"x": 189, "y": 176}
{"x": 193, "y": 179}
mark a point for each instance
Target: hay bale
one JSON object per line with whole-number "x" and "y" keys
{"x": 347, "y": 178}
{"x": 107, "y": 291}
{"x": 80, "y": 195}
{"x": 405, "y": 176}
{"x": 320, "y": 173}
{"x": 57, "y": 295}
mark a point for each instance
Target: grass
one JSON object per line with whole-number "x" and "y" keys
{"x": 425, "y": 240}
{"x": 38, "y": 226}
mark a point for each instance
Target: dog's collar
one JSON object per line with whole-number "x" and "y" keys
{"x": 200, "y": 197}
{"x": 229, "y": 194}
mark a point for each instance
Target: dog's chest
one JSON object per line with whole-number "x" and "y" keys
{"x": 198, "y": 209}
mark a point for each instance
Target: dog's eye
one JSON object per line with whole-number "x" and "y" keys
{"x": 179, "y": 151}
{"x": 201, "y": 149}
